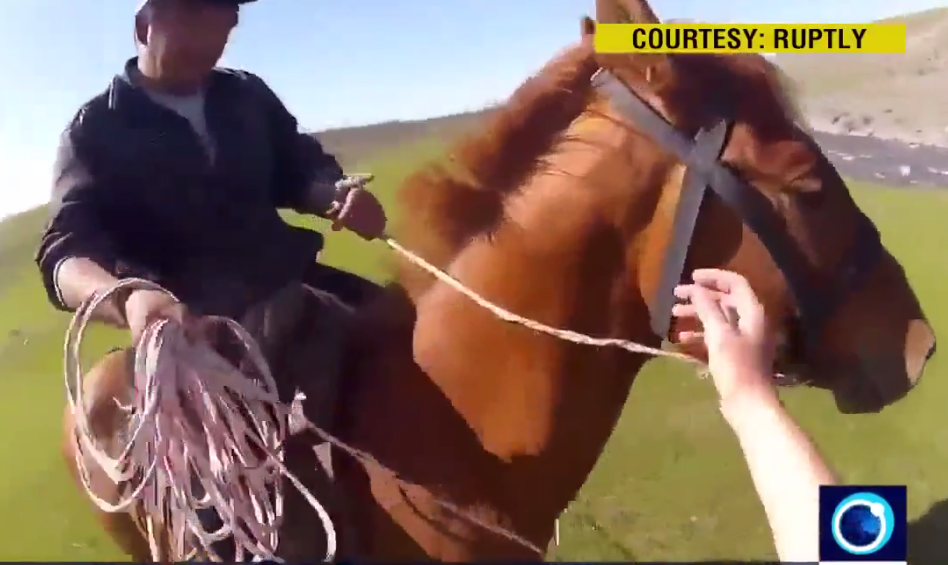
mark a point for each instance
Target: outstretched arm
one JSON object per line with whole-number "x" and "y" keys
{"x": 786, "y": 468}
{"x": 787, "y": 471}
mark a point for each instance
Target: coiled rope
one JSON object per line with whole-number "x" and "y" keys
{"x": 199, "y": 435}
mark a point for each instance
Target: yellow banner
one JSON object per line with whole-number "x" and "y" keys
{"x": 750, "y": 38}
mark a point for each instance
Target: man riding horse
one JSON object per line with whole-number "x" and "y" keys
{"x": 174, "y": 174}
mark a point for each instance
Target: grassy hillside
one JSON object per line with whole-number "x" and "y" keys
{"x": 18, "y": 236}
{"x": 358, "y": 143}
{"x": 889, "y": 95}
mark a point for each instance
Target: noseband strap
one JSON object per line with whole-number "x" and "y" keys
{"x": 705, "y": 170}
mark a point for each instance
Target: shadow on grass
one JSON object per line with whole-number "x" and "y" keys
{"x": 928, "y": 536}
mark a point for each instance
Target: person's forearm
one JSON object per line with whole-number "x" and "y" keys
{"x": 78, "y": 279}
{"x": 787, "y": 472}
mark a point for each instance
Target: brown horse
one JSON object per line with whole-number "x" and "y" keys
{"x": 564, "y": 210}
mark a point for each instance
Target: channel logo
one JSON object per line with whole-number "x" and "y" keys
{"x": 863, "y": 524}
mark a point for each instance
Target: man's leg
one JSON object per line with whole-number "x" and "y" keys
{"x": 350, "y": 288}
{"x": 296, "y": 353}
{"x": 323, "y": 347}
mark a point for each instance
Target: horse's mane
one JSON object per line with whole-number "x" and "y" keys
{"x": 450, "y": 202}
{"x": 788, "y": 92}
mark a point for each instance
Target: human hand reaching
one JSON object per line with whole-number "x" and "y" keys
{"x": 786, "y": 468}
{"x": 734, "y": 330}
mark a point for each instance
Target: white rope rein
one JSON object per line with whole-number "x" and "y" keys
{"x": 559, "y": 333}
{"x": 200, "y": 435}
{"x": 358, "y": 182}
{"x": 510, "y": 317}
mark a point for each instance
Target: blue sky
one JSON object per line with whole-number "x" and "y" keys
{"x": 333, "y": 62}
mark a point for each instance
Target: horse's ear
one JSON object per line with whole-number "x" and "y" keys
{"x": 587, "y": 27}
{"x": 641, "y": 12}
{"x": 625, "y": 12}
{"x": 611, "y": 12}
{"x": 631, "y": 12}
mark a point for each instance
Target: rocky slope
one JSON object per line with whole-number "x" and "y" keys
{"x": 903, "y": 96}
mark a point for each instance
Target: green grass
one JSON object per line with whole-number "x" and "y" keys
{"x": 670, "y": 487}
{"x": 18, "y": 237}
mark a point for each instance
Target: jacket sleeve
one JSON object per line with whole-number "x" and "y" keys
{"x": 76, "y": 207}
{"x": 304, "y": 173}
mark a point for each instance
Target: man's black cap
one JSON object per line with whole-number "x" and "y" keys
{"x": 143, "y": 3}
{"x": 227, "y": 2}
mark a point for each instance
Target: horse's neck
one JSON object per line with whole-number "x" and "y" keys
{"x": 541, "y": 404}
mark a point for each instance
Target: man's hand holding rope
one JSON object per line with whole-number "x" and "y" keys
{"x": 357, "y": 209}
{"x": 144, "y": 307}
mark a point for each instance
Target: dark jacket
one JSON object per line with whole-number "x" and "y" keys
{"x": 135, "y": 192}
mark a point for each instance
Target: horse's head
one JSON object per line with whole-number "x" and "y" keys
{"x": 747, "y": 189}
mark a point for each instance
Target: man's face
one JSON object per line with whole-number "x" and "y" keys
{"x": 186, "y": 38}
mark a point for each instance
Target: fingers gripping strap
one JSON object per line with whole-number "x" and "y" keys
{"x": 707, "y": 148}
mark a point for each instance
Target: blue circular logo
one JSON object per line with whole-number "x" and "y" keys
{"x": 862, "y": 523}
